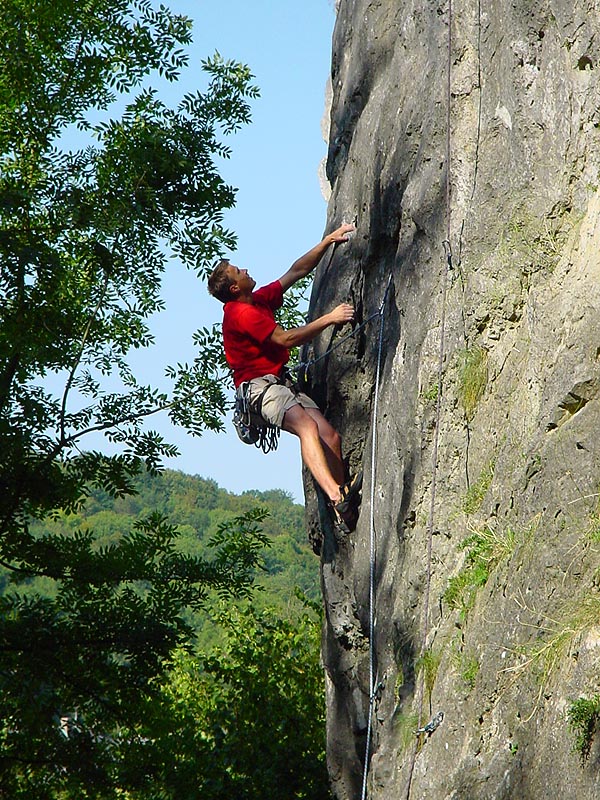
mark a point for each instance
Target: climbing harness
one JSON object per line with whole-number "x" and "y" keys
{"x": 250, "y": 427}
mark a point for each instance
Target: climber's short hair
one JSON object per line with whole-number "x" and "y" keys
{"x": 219, "y": 281}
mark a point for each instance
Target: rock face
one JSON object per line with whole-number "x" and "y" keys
{"x": 486, "y": 563}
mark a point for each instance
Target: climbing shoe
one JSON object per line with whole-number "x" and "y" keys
{"x": 345, "y": 512}
{"x": 339, "y": 523}
{"x": 350, "y": 493}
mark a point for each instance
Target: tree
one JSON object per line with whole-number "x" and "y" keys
{"x": 84, "y": 238}
{"x": 78, "y": 668}
{"x": 245, "y": 721}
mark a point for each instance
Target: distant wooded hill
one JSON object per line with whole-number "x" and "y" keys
{"x": 197, "y": 506}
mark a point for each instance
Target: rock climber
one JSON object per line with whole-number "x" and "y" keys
{"x": 257, "y": 350}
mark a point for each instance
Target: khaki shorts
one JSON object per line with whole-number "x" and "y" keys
{"x": 277, "y": 399}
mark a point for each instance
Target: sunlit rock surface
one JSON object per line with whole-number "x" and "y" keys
{"x": 512, "y": 634}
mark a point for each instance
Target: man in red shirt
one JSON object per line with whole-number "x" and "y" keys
{"x": 257, "y": 348}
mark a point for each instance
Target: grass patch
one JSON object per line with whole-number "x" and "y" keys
{"x": 538, "y": 244}
{"x": 555, "y": 640}
{"x": 485, "y": 549}
{"x": 584, "y": 717}
{"x": 406, "y": 726}
{"x": 592, "y": 533}
{"x": 467, "y": 665}
{"x": 429, "y": 662}
{"x": 462, "y": 588}
{"x": 469, "y": 670}
{"x": 472, "y": 378}
{"x": 430, "y": 394}
{"x": 477, "y": 491}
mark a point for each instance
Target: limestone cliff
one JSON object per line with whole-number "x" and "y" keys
{"x": 510, "y": 548}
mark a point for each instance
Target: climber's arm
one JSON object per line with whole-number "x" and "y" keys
{"x": 306, "y": 263}
{"x": 294, "y": 337}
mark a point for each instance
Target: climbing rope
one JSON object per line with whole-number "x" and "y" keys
{"x": 301, "y": 370}
{"x": 373, "y": 551}
{"x": 302, "y": 366}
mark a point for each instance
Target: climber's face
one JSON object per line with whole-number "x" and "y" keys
{"x": 242, "y": 283}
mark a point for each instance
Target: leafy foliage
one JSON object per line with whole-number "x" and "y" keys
{"x": 197, "y": 508}
{"x": 251, "y": 713}
{"x": 91, "y": 651}
{"x": 85, "y": 235}
{"x": 143, "y": 730}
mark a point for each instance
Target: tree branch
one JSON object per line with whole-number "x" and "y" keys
{"x": 13, "y": 364}
{"x": 73, "y": 370}
{"x": 106, "y": 426}
{"x": 20, "y": 569}
{"x": 56, "y": 100}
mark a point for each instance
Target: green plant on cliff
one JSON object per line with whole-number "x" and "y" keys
{"x": 429, "y": 662}
{"x": 584, "y": 718}
{"x": 470, "y": 670}
{"x": 405, "y": 726}
{"x": 477, "y": 490}
{"x": 430, "y": 394}
{"x": 472, "y": 378}
{"x": 465, "y": 663}
{"x": 537, "y": 243}
{"x": 555, "y": 639}
{"x": 485, "y": 549}
{"x": 593, "y": 529}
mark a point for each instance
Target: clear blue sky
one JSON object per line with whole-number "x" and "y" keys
{"x": 280, "y": 211}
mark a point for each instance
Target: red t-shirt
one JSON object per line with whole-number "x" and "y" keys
{"x": 247, "y": 329}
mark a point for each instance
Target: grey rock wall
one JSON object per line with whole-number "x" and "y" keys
{"x": 512, "y": 634}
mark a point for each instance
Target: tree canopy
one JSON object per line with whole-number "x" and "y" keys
{"x": 240, "y": 712}
{"x": 86, "y": 232}
{"x": 246, "y": 720}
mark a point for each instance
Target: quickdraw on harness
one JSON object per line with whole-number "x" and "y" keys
{"x": 250, "y": 427}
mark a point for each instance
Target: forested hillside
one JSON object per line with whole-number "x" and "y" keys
{"x": 196, "y": 507}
